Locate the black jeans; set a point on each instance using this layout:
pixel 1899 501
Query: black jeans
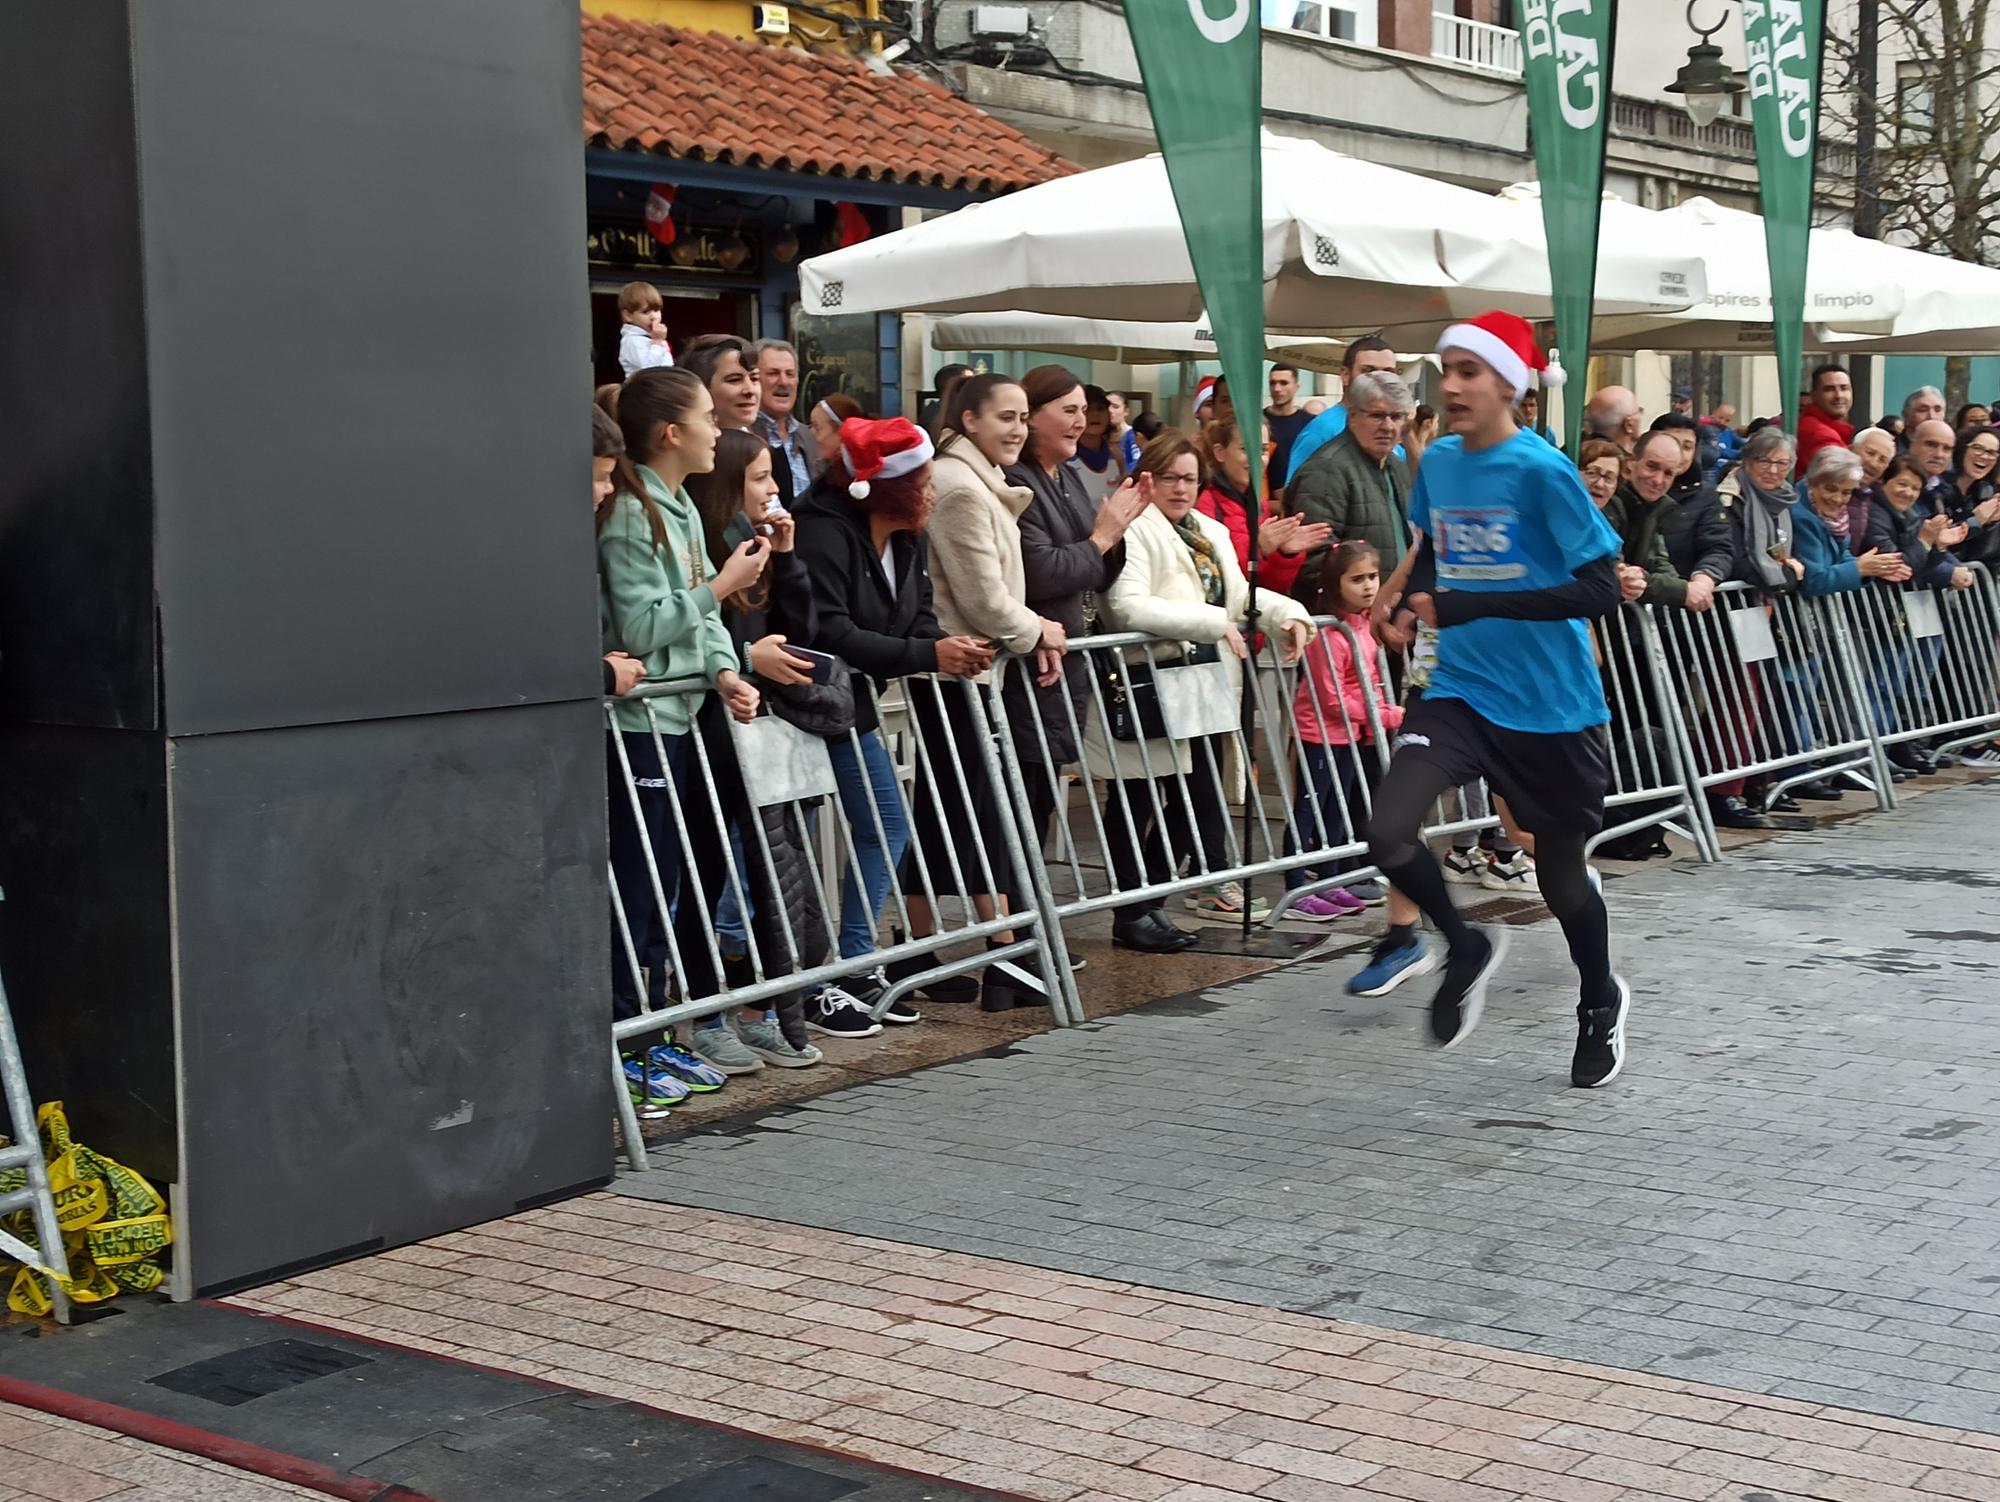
pixel 1145 844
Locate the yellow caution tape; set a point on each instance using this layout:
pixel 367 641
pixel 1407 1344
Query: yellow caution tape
pixel 114 1225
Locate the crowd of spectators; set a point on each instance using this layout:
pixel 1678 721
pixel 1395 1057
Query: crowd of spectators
pixel 809 568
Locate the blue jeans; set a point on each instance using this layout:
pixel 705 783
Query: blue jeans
pixel 868 789
pixel 730 918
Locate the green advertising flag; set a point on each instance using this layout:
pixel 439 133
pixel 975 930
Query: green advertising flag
pixel 1783 41
pixel 1566 60
pixel 1202 62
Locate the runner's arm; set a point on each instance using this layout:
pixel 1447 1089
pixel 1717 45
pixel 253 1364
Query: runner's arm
pixel 1592 592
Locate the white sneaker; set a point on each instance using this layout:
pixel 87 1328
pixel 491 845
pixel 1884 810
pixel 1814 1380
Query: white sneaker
pixel 1516 875
pixel 1465 866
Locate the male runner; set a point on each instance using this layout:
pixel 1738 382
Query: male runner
pixel 1514 560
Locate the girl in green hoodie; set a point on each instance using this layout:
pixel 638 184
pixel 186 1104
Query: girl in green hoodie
pixel 660 600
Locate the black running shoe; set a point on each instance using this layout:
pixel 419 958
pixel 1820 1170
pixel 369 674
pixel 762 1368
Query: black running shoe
pixel 1459 1001
pixel 1600 1040
pixel 832 1013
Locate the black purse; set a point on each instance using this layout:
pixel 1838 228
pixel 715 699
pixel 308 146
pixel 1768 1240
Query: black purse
pixel 822 709
pixel 1132 710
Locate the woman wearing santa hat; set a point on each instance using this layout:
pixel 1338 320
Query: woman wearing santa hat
pixel 1515 561
pixel 868 559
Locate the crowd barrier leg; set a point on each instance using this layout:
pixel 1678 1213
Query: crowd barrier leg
pixel 1844 651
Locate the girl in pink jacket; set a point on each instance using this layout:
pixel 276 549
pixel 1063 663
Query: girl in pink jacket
pixel 1331 709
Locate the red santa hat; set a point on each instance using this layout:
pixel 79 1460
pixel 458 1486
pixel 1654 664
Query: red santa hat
pixel 1204 393
pixel 882 448
pixel 1506 343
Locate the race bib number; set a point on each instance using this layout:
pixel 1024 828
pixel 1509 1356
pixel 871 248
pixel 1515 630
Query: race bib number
pixel 1477 543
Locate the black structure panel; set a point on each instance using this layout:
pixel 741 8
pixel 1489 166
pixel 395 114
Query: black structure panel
pixel 77 640
pixel 367 311
pixel 84 940
pixel 393 967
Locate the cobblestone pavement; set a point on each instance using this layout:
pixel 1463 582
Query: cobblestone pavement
pixel 1259 1243
pixel 1064 1388
pixel 1792 1191
pixel 57 1459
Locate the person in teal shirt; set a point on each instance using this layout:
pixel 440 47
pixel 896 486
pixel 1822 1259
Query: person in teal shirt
pixel 1515 561
pixel 1369 353
pixel 660 601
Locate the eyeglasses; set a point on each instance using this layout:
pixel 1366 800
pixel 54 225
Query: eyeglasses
pixel 1380 416
pixel 1770 461
pixel 1980 452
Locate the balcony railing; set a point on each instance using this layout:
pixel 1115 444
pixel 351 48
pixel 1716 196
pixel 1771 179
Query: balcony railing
pixel 1490 49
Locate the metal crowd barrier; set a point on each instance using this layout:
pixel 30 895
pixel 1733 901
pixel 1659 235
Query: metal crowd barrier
pixel 1791 688
pixel 1652 760
pixel 1929 660
pixel 1164 809
pixel 789 785
pixel 1769 687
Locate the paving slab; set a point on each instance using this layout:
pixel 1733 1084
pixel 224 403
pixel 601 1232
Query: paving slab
pixel 1793 1190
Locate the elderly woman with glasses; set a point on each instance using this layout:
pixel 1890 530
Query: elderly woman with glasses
pixel 1822 529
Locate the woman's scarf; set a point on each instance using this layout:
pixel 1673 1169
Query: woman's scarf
pixel 1767 530
pixel 1840 526
pixel 1207 561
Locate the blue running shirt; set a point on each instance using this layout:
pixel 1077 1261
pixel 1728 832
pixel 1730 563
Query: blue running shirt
pixel 1512 517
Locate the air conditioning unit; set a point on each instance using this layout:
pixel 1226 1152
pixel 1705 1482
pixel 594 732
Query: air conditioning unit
pixel 993 22
pixel 772 20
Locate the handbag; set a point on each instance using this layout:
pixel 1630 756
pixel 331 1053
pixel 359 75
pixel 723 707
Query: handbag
pixel 1175 700
pixel 822 709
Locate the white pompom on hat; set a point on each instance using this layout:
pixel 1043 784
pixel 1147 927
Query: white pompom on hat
pixel 882 448
pixel 1507 343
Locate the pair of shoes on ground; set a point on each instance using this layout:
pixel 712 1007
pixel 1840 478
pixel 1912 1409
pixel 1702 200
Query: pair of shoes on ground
pixel 1461 999
pixel 1481 868
pixel 1152 932
pixel 1226 901
pixel 666 1074
pixel 1338 902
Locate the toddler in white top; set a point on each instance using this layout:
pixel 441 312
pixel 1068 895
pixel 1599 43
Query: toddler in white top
pixel 642 341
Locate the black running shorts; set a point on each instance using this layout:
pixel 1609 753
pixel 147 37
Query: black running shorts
pixel 1553 784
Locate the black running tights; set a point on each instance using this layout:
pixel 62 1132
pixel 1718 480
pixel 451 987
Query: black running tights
pixel 1410 789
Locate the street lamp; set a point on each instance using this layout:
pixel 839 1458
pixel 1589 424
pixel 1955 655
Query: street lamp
pixel 1705 81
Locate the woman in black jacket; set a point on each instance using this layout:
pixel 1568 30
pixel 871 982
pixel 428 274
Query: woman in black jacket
pixel 1972 496
pixel 868 562
pixel 763 620
pixel 1071 550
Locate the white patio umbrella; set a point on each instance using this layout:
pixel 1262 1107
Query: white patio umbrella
pixel 1856 286
pixel 1348 247
pixel 1120 342
pixel 1950 307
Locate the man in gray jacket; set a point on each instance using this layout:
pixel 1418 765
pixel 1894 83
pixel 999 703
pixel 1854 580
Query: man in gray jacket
pixel 1356 484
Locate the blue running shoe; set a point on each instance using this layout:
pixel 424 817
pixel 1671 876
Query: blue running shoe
pixel 653 1091
pixel 1388 968
pixel 691 1070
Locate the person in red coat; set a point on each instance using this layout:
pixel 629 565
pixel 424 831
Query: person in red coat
pixel 1823 424
pixel 1282 541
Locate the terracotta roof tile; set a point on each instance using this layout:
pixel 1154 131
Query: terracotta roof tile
pixel 672 92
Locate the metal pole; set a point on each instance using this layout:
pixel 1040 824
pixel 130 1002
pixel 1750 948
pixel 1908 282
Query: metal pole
pixel 1867 206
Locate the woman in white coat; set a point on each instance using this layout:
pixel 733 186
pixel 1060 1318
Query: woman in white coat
pixel 1181 583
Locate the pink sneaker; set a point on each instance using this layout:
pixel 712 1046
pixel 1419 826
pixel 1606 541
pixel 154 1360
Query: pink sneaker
pixel 1324 907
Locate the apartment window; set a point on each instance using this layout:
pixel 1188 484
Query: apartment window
pixel 1916 101
pixel 1341 20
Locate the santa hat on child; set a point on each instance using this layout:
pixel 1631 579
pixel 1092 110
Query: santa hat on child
pixel 882 448
pixel 1506 343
